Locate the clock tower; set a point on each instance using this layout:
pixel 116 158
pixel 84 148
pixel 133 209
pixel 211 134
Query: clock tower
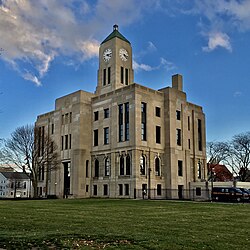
pixel 115 63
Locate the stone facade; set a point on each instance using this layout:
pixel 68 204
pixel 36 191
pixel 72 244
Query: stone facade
pixel 125 138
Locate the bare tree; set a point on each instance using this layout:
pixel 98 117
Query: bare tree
pixel 239 159
pixel 217 152
pixel 31 150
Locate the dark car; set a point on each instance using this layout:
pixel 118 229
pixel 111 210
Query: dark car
pixel 229 194
pixel 245 190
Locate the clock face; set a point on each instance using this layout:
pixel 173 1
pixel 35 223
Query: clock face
pixel 123 54
pixel 107 54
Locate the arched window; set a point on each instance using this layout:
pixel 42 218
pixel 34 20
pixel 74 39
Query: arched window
pixel 128 162
pixel 107 166
pixel 96 168
pixel 143 165
pixel 157 166
pixel 122 165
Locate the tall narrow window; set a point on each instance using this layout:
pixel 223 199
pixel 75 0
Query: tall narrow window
pixel 104 77
pixel 157 167
pixel 52 128
pixel 158 111
pixel 96 168
pixel 178 115
pixel 106 113
pixel 122 165
pixel 128 165
pixel 126 121
pixel 69 141
pixel 199 135
pixel 62 143
pixel 120 189
pixel 105 189
pixel 178 136
pixel 126 76
pixel 158 189
pixel 180 168
pixel 143 121
pixel 126 186
pixel 106 136
pixel 95 190
pixel 143 165
pixel 96 137
pixel 199 170
pixel 158 134
pixel 188 123
pixel 107 166
pixel 96 115
pixel 109 75
pixel 122 75
pixel 66 141
pixel 87 168
pixel 120 122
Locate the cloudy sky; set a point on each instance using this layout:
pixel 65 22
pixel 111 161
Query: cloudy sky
pixel 49 48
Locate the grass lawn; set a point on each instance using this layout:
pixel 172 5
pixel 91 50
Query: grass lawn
pixel 123 224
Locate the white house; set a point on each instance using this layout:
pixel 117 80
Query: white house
pixel 14 185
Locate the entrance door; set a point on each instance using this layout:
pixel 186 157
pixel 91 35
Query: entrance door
pixel 180 191
pixel 66 189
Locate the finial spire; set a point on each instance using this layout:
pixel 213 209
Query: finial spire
pixel 115 27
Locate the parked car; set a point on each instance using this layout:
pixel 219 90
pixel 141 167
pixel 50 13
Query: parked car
pixel 245 190
pixel 229 194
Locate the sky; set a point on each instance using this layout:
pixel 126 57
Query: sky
pixel 49 48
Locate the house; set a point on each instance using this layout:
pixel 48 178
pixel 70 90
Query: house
pixel 219 172
pixel 14 185
pixel 125 139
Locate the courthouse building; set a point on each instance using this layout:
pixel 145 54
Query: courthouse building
pixel 125 137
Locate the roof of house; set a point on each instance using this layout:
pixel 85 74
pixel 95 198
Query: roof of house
pixel 221 172
pixel 15 175
pixel 115 33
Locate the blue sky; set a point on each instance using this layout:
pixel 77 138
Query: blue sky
pixel 50 49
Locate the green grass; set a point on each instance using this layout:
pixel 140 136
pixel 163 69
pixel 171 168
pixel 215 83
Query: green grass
pixel 123 224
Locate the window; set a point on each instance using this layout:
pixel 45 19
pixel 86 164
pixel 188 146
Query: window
pixel 120 122
pixel 87 168
pixel 96 137
pixel 96 168
pixel 158 189
pixel 178 136
pixel 178 115
pixel 180 168
pixel 199 135
pixel 87 188
pixel 143 121
pixel 126 76
pixel 122 165
pixel 109 75
pixel 104 77
pixel 189 144
pixel 128 165
pixel 199 170
pixel 62 143
pixel 52 128
pixel 126 121
pixel 106 136
pixel 96 116
pixel 126 186
pixel 158 111
pixel 122 75
pixel 158 134
pixel 143 165
pixel 66 142
pixel 107 167
pixel 105 189
pixel 188 123
pixel 95 189
pixel 198 191
pixel 24 184
pixel 157 167
pixel 70 141
pixel 120 189
pixel 106 113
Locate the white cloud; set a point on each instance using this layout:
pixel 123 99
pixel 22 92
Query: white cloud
pixel 216 40
pixel 34 33
pixel 142 66
pixel 237 94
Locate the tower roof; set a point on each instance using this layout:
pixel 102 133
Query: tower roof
pixel 115 33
